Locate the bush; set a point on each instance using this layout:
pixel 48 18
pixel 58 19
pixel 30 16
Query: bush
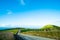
pixel 6 36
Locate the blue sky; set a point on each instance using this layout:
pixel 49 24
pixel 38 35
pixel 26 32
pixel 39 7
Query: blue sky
pixel 29 12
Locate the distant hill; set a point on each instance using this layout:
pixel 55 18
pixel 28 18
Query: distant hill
pixel 3 28
pixel 50 28
pixel 10 28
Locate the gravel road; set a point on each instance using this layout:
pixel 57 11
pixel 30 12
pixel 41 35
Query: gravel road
pixel 29 37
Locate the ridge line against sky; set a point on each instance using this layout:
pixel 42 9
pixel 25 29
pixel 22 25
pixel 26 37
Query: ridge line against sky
pixel 29 12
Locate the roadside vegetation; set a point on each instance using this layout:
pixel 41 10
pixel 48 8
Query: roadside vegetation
pixel 6 36
pixel 50 31
pixel 9 34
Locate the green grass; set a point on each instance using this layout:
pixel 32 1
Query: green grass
pixel 50 31
pixel 13 30
pixel 49 34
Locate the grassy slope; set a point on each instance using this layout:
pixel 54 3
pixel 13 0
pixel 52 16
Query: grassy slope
pixel 51 28
pixel 8 34
pixel 13 30
pixel 50 31
pixel 46 31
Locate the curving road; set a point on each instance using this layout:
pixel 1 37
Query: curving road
pixel 28 37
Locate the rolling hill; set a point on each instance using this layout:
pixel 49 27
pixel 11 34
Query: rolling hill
pixel 50 28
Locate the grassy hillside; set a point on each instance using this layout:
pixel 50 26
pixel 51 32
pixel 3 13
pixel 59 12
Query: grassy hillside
pixel 13 30
pixel 50 31
pixel 8 34
pixel 51 28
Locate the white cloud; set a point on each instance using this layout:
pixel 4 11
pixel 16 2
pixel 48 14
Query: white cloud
pixel 22 2
pixel 9 12
pixel 35 18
